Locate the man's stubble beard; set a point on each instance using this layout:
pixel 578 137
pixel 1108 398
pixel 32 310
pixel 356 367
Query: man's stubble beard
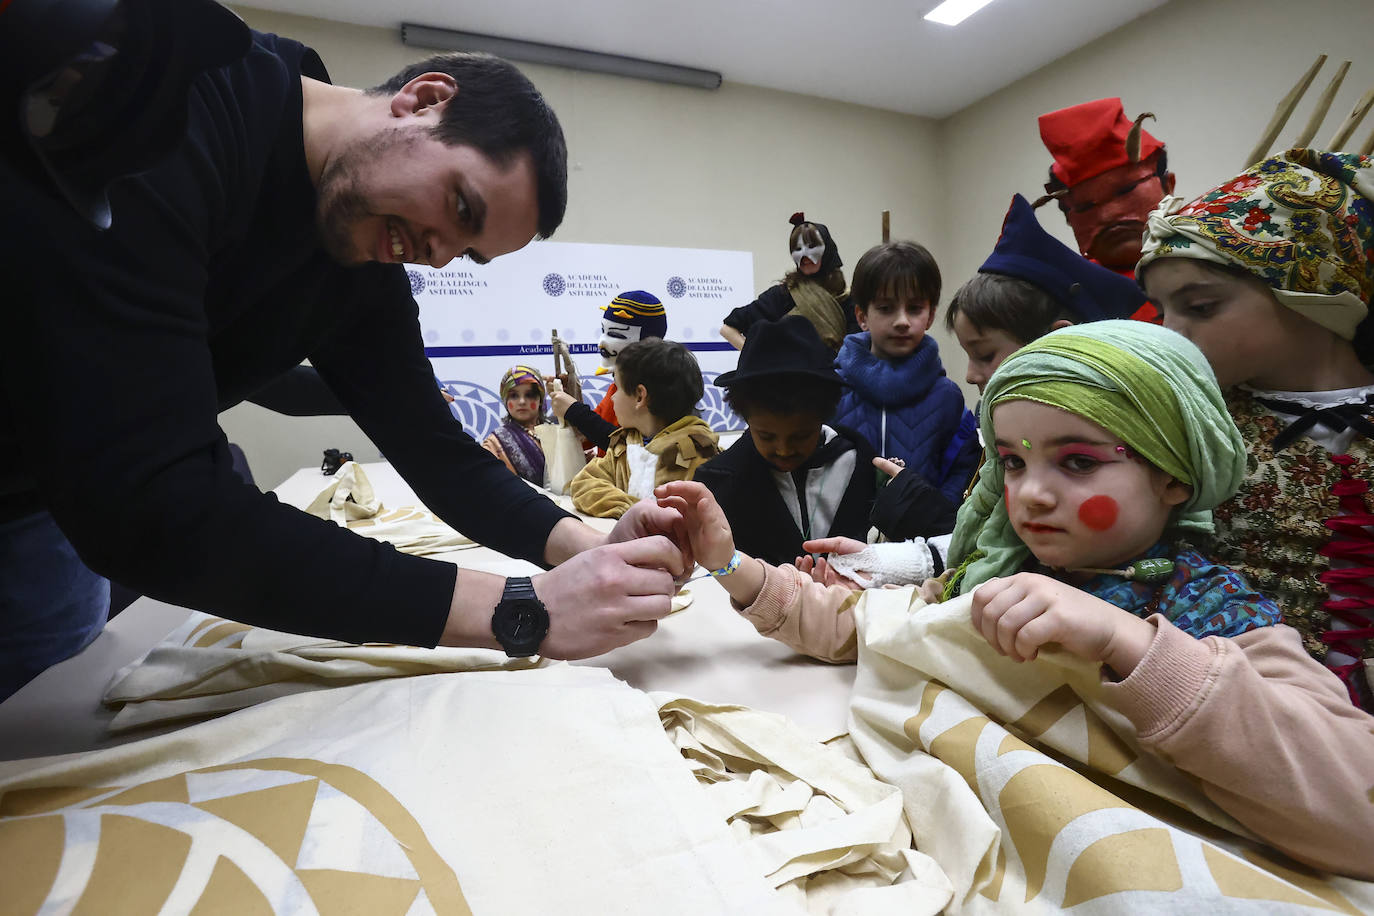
pixel 341 201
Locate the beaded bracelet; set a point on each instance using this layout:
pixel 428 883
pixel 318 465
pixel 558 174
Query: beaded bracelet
pixel 728 567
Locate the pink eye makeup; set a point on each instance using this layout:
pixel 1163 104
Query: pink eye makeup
pixel 1098 453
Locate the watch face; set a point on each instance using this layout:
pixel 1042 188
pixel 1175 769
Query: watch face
pixel 520 625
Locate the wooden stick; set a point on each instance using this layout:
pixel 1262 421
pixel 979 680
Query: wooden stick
pixel 1323 106
pixel 1352 121
pixel 887 226
pixel 1368 146
pixel 1283 113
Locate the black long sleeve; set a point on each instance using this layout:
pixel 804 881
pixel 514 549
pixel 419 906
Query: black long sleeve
pixel 299 393
pixel 126 344
pixel 595 428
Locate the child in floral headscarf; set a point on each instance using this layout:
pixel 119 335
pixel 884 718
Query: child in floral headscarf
pixel 1270 274
pixel 514 442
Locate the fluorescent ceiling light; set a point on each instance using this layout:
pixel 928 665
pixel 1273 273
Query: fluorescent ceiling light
pixel 535 52
pixel 953 12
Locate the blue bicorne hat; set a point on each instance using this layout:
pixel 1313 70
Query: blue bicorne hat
pixel 1026 251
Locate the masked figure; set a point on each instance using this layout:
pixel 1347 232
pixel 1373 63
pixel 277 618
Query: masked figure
pixel 815 289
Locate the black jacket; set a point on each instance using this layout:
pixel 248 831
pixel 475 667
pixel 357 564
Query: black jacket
pixel 123 346
pixel 742 484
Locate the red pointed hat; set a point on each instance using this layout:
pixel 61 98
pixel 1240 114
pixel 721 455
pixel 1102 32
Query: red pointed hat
pixel 1088 139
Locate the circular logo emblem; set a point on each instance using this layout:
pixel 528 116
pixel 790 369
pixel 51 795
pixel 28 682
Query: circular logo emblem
pixel 417 282
pixel 554 284
pixel 677 287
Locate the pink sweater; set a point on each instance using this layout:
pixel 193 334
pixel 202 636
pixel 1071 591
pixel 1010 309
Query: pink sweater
pixel 1269 733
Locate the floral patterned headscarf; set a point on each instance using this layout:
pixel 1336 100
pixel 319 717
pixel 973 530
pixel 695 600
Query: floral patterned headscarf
pixel 1303 222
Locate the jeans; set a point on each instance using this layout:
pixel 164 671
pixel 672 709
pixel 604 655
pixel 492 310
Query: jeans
pixel 51 605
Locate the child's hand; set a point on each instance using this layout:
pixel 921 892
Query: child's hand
pixel 559 401
pixel 1019 614
pixel 820 571
pixel 712 541
pixel 889 466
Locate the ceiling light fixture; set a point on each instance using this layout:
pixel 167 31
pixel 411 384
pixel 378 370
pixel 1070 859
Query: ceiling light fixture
pixel 535 52
pixel 953 12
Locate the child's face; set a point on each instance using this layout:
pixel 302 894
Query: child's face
pixel 785 441
pixel 631 410
pixel 897 324
pixel 1073 498
pixel 1244 332
pixel 986 348
pixel 523 403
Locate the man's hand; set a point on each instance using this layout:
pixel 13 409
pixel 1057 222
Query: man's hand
pixel 608 596
pixel 1019 614
pixel 646 519
pixel 704 522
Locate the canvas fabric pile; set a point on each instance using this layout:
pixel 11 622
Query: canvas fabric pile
pixel 1033 795
pixel 209 666
pixel 350 502
pixel 551 790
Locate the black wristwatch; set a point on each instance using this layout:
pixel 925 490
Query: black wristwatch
pixel 520 621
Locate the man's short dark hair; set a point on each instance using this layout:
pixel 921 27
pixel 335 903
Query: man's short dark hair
pixel 498 112
pixel 996 302
pixel 786 394
pixel 669 373
pixel 899 269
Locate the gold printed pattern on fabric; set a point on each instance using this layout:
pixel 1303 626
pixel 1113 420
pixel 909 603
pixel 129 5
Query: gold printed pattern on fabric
pixel 245 837
pixel 1064 807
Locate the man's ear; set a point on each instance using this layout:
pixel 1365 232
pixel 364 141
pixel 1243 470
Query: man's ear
pixel 641 396
pixel 861 318
pixel 1061 323
pixel 1168 182
pixel 426 91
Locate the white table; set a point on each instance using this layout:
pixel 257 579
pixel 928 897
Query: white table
pixel 706 651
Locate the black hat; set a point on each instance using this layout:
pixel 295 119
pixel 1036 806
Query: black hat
pixel 788 346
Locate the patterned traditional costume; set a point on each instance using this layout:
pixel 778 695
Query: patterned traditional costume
pixel 1302 222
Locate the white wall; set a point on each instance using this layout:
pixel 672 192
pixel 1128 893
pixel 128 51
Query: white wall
pixel 660 165
pixel 652 164
pixel 1212 71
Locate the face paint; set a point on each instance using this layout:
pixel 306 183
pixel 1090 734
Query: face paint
pixel 815 254
pixel 615 335
pixel 1025 443
pixel 1098 512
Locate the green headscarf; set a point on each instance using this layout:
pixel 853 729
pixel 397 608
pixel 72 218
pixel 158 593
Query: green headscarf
pixel 1144 384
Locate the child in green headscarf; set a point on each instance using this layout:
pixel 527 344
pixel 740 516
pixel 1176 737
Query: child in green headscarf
pixel 1271 274
pixel 1107 444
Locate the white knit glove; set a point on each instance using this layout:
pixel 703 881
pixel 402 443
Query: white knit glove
pixel 896 563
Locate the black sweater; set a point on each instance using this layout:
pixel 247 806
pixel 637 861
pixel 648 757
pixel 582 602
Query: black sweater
pixel 124 345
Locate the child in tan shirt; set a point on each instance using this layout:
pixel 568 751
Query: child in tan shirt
pixel 658 383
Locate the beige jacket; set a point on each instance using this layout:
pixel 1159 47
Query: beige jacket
pixel 599 488
pixel 1270 735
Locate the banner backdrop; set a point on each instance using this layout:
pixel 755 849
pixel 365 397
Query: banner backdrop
pixel 479 320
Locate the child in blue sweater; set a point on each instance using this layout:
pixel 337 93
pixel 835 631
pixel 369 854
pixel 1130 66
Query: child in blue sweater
pixel 899 397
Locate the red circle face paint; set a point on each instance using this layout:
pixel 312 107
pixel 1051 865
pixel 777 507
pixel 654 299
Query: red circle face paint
pixel 1098 512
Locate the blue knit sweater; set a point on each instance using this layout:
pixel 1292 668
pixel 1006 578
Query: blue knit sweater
pixel 909 409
